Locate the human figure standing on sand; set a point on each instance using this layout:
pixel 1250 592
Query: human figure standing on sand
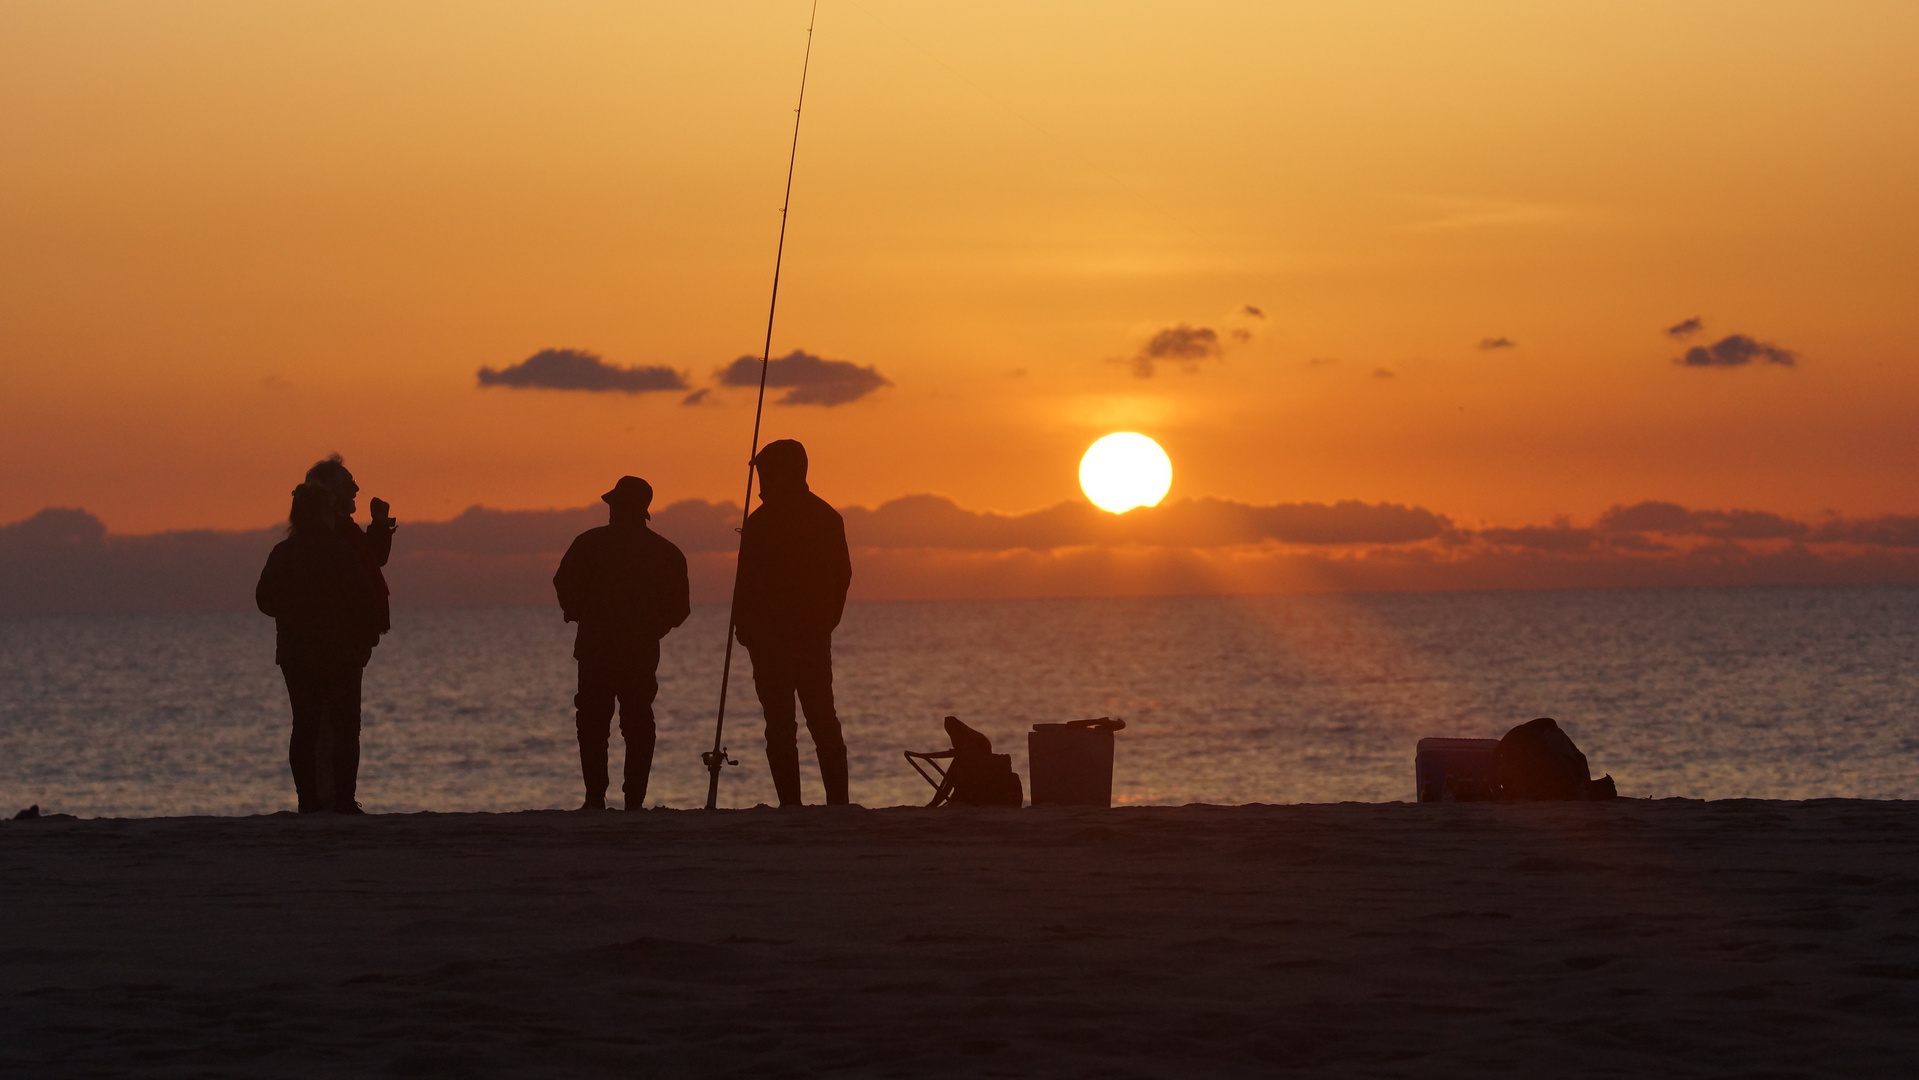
pixel 791 592
pixel 626 586
pixel 327 618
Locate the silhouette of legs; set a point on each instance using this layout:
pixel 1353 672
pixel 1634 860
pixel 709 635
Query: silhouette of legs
pixel 781 671
pixel 815 687
pixel 325 702
pixel 636 726
pixel 633 683
pixel 593 721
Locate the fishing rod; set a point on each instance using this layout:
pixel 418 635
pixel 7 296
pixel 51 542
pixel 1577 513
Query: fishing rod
pixel 716 759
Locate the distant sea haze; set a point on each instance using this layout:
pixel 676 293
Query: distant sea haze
pixel 927 547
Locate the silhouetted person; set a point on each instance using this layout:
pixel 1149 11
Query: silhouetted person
pixel 327 619
pixel 626 586
pixel 374 544
pixel 794 570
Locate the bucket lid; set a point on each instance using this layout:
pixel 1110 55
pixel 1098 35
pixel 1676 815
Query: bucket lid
pixel 1101 723
pixel 1436 743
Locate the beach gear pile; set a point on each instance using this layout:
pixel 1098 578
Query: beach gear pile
pixel 1072 766
pixel 1534 762
pixel 975 776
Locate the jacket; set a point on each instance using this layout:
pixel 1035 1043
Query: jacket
pixel 374 547
pixel 326 611
pixel 794 570
pixel 625 585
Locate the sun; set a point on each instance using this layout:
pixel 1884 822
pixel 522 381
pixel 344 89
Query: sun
pixel 1125 470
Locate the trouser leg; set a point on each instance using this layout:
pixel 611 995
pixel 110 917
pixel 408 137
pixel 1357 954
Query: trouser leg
pixel 773 682
pixel 343 728
pixel 593 721
pixel 813 679
pixel 638 688
pixel 309 710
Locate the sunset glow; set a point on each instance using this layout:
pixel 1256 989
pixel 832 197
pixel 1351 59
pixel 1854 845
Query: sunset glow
pixel 1510 266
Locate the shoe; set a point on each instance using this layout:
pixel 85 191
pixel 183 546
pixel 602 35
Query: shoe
pixel 350 808
pixel 593 804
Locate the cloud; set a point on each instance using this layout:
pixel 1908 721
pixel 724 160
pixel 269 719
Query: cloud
pixel 1737 350
pixel 1648 516
pixel 934 521
pixel 1189 346
pixel 1101 572
pixel 63 561
pixel 1497 343
pixel 1672 519
pixel 926 546
pixel 1686 328
pixel 1890 530
pixel 1182 344
pixel 1746 525
pixel 1344 522
pixel 1250 316
pixel 1383 373
pixel 1560 536
pixel 1636 542
pixel 478 530
pixel 697 397
pixel 807 379
pixel 576 369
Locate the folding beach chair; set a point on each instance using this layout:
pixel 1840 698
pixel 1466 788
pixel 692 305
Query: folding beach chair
pixel 976 775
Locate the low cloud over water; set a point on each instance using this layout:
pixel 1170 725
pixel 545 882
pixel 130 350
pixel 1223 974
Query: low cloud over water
pixel 927 546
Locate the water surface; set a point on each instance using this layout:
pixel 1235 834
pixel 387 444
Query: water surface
pixel 1775 693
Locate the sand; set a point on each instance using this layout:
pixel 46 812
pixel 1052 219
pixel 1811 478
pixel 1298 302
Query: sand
pixel 1641 939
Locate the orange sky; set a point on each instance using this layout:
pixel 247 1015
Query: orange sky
pixel 235 236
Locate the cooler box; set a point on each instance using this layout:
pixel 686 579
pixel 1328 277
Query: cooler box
pixel 1071 764
pixel 1454 770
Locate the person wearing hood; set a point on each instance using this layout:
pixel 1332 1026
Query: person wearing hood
pixel 327 618
pixel 626 587
pixel 793 575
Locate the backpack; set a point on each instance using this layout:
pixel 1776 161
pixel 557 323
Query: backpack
pixel 977 776
pixel 1538 762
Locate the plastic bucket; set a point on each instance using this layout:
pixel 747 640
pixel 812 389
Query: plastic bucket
pixel 1072 763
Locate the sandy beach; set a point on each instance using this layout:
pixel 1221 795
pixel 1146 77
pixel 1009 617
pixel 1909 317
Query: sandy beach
pixel 1670 938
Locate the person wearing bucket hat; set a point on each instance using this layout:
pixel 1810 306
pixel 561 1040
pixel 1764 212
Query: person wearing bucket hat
pixel 794 571
pixel 625 585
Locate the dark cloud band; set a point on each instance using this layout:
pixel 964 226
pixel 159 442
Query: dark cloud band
pixel 1737 351
pixel 576 369
pixel 807 379
pixel 67 561
pixel 1182 344
pixel 1671 519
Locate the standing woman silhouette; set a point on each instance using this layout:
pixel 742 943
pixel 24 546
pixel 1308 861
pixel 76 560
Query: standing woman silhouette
pixel 327 619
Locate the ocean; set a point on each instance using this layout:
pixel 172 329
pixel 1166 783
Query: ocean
pixel 1780 693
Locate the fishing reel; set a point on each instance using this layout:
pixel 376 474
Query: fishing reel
pixel 713 760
